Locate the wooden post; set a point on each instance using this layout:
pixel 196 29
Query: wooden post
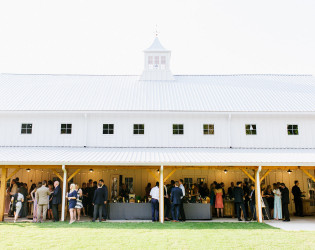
pixel 64 190
pixel 249 176
pixel 2 192
pixel 13 173
pixel 74 174
pixel 265 175
pixel 161 200
pixel 258 195
pixel 169 175
pixel 308 174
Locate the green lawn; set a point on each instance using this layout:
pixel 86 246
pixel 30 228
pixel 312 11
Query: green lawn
pixel 151 235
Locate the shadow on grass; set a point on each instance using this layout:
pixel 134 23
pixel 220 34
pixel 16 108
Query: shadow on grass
pixel 146 225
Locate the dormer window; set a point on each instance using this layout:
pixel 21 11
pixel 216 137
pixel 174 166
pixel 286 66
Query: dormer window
pixel 150 62
pixel 156 62
pixel 163 62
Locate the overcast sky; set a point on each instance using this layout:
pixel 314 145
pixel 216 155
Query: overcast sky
pixel 205 36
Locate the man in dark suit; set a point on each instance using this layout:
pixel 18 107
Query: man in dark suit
pixel 239 201
pixel 252 201
pixel 99 200
pixel 176 195
pixel 105 190
pixel 231 190
pixel 56 200
pixel 285 198
pixel 296 191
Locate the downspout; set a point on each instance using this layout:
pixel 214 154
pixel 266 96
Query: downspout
pixel 64 188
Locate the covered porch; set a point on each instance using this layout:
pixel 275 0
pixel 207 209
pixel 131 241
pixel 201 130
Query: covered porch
pixel 156 164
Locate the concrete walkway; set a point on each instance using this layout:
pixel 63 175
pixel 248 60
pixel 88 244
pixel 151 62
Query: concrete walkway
pixel 306 223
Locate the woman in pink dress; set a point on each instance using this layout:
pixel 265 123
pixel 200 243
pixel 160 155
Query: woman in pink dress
pixel 219 199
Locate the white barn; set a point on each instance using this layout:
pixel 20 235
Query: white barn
pixel 187 126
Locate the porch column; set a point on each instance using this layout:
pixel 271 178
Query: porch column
pixel 161 203
pixel 3 191
pixel 64 189
pixel 258 195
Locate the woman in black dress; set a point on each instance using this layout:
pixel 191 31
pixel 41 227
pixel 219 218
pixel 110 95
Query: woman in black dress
pixel 270 199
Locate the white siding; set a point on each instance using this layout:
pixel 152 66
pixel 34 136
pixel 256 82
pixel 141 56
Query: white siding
pixel 271 130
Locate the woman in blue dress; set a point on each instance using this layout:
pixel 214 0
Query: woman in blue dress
pixel 72 198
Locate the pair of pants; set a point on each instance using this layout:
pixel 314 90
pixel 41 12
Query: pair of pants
pixel 167 203
pixel 238 212
pixel 298 207
pixel 18 207
pixel 105 211
pixel 40 209
pixel 98 208
pixel 253 211
pixel 90 209
pixel 285 210
pixel 182 212
pixel 155 209
pixel 175 211
pixel 55 212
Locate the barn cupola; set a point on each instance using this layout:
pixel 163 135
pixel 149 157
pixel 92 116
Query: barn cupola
pixel 157 63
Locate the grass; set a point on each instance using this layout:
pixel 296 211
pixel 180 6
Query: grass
pixel 151 236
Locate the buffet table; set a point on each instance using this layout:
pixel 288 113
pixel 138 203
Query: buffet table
pixel 129 211
pixel 197 211
pixel 142 211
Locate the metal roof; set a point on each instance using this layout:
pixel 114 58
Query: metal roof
pixel 156 156
pixel 156 46
pixel 203 93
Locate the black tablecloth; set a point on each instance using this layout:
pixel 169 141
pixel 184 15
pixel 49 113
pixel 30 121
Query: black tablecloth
pixel 130 211
pixel 197 211
pixel 142 211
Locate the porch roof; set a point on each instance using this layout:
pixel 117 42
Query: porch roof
pixel 156 156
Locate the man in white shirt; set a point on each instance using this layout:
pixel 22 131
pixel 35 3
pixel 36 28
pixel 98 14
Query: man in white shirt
pixel 155 194
pixel 182 212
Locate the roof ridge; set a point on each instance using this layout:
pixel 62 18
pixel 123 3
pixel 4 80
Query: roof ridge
pixel 35 74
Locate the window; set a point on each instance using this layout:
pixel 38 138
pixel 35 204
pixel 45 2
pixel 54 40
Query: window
pixel 129 183
pixel 108 129
pixel 156 60
pixel 163 62
pixel 26 128
pixel 178 129
pixel 188 181
pixel 250 129
pixel 208 129
pixel 293 129
pixel 66 128
pixel 150 60
pixel 138 129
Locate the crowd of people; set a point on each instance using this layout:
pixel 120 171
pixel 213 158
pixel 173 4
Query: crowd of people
pixel 46 198
pixel 275 200
pixel 92 199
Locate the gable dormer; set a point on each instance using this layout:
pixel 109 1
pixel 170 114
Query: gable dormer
pixel 157 63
